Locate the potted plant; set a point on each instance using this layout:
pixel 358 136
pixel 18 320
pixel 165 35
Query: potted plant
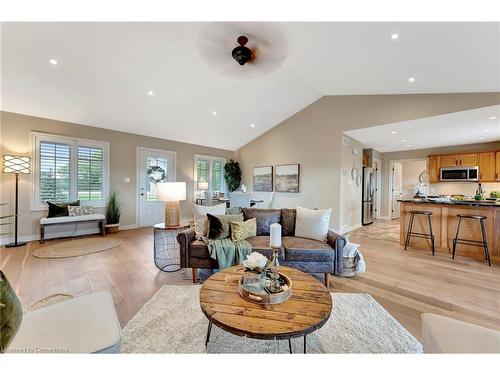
pixel 113 214
pixel 232 175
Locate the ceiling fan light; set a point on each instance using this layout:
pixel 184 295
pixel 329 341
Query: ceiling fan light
pixel 242 54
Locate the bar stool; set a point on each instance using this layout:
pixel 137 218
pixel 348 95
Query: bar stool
pixel 464 241
pixel 410 232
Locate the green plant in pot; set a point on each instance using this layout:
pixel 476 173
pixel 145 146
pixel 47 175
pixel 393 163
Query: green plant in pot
pixel 113 213
pixel 232 175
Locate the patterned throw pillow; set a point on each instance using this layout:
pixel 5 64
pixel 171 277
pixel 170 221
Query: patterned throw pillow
pixel 243 230
pixel 200 217
pixel 11 313
pixel 80 210
pixel 220 225
pixel 57 209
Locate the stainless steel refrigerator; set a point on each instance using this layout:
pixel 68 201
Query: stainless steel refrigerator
pixel 368 196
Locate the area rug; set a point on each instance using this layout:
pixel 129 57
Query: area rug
pixel 172 322
pixel 76 248
pixel 47 301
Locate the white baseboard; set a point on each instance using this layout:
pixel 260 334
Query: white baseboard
pixel 383 218
pixel 346 228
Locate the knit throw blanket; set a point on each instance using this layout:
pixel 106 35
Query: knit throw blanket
pixel 227 252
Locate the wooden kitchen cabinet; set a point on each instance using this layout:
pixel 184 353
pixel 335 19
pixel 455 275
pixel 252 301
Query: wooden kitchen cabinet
pixel 497 173
pixel 448 160
pixel 468 160
pixel 487 166
pixel 433 168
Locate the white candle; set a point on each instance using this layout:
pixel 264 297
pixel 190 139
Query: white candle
pixel 275 238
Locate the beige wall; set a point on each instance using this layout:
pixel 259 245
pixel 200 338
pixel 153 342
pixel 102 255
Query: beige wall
pixel 15 136
pixel 438 188
pixel 312 137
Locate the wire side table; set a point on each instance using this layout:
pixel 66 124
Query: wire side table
pixel 167 255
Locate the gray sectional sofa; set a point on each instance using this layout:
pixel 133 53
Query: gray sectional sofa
pixel 307 255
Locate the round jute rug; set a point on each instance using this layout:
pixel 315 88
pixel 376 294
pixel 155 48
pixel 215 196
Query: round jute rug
pixel 75 248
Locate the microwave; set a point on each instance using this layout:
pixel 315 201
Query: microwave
pixel 459 174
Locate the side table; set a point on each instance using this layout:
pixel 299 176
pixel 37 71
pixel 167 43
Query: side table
pixel 167 257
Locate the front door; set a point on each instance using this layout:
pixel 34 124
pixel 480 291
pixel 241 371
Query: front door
pixel 397 189
pixel 154 166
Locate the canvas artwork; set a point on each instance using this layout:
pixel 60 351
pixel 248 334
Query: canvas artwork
pixel 263 178
pixel 287 178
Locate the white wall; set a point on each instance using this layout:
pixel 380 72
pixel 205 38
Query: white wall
pixel 351 193
pixel 411 169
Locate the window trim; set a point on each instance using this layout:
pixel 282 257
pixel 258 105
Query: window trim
pixel 74 142
pixel 195 173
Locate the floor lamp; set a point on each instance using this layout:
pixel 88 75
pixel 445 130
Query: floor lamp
pixel 16 164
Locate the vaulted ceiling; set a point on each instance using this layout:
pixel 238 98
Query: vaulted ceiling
pixel 178 80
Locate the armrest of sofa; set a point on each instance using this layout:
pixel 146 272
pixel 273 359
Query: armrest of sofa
pixel 337 242
pixel 184 238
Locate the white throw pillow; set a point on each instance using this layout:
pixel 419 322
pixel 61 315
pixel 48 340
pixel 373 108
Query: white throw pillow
pixel 312 224
pixel 200 217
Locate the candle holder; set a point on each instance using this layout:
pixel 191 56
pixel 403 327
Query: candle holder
pixel 275 267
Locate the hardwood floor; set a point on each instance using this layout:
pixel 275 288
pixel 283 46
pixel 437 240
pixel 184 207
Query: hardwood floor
pixel 406 283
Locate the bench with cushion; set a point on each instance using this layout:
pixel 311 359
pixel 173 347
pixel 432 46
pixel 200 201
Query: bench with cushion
pixel 307 255
pixel 98 218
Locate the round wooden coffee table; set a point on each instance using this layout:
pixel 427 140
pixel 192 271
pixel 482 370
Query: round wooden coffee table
pixel 306 311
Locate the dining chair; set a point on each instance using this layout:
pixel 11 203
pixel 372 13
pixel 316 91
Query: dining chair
pixel 208 198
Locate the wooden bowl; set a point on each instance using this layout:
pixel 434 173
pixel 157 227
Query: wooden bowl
pixel 264 298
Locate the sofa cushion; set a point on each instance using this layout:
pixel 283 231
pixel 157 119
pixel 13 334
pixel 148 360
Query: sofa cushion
pixel 260 244
pixel 200 217
pixel 288 221
pixel 243 230
pixel 304 249
pixel 265 217
pixel 312 223
pixel 219 226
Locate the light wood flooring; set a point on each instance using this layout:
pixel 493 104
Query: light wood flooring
pixel 406 283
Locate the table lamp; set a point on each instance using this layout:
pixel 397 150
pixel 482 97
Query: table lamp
pixel 171 193
pixel 16 164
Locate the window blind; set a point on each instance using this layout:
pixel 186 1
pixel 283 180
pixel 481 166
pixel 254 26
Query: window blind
pixel 216 175
pixel 90 167
pixel 202 170
pixel 55 161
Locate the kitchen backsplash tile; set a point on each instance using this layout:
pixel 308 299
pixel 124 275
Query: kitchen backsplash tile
pixel 466 188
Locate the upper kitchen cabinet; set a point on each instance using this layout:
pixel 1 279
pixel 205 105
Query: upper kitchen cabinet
pixel 497 174
pixel 433 168
pixel 448 160
pixel 468 160
pixel 487 166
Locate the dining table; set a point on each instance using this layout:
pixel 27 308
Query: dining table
pixel 225 200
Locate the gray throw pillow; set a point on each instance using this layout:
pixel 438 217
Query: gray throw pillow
pixel 265 217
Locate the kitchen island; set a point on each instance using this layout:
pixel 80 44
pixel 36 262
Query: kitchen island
pixel 444 224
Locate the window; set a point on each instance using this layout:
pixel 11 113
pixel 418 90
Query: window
pixel 66 169
pixel 157 172
pixel 209 174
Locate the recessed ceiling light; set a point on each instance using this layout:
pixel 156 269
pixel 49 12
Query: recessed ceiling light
pixel 151 93
pixel 394 132
pixel 492 117
pixel 53 61
pixel 411 79
pixel 214 113
pixel 252 125
pixel 394 36
pixel 403 140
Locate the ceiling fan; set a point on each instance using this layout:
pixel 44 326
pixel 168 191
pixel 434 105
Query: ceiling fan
pixel 260 48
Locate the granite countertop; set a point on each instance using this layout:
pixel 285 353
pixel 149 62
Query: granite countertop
pixel 483 203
